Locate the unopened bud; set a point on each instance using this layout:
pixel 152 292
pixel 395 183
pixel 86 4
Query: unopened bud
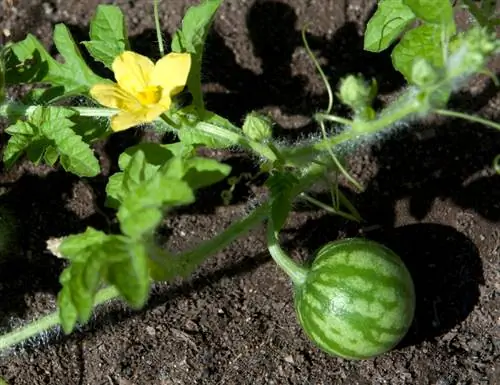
pixel 258 127
pixel 423 73
pixel 356 92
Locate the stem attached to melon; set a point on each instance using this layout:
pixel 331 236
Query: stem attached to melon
pixel 296 272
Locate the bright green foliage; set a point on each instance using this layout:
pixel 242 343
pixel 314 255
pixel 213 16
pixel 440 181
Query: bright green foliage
pixel 358 299
pixel 108 34
pixel 258 127
pixel 470 52
pixel 433 11
pixel 389 21
pixel 423 42
pixel 97 258
pixel 423 73
pixel 48 135
pixel 154 179
pixel 358 94
pixel 195 26
pixel 81 279
pixel 191 38
pixel 141 209
pixel 171 185
pixel 71 77
pixel 140 163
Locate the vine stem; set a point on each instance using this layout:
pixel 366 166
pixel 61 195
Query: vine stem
pixel 472 118
pixel 186 262
pixel 297 273
pixel 49 321
pixel 158 28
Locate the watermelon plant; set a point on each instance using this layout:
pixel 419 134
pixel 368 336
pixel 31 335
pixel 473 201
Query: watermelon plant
pixel 356 300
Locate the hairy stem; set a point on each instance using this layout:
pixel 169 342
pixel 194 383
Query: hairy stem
pixel 48 322
pixel 296 272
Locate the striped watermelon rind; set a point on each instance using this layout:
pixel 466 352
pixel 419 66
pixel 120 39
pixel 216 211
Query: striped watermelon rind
pixel 358 299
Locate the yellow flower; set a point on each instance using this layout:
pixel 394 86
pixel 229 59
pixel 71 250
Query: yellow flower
pixel 144 90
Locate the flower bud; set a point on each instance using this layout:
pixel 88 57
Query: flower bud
pixel 423 73
pixel 258 127
pixel 356 92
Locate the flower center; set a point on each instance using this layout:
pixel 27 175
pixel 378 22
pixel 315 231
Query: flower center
pixel 149 95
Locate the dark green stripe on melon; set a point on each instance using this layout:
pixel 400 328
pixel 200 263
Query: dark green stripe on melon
pixel 358 299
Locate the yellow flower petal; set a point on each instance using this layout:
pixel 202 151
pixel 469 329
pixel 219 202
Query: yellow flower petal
pixel 153 112
pixel 171 72
pixel 165 101
pixel 112 96
pixel 124 120
pixel 132 71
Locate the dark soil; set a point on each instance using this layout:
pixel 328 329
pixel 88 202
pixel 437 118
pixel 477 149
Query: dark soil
pixel 431 195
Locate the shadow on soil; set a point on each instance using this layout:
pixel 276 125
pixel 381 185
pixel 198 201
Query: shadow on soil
pixel 445 264
pixel 39 206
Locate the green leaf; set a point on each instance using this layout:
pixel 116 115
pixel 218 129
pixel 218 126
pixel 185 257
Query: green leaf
pixel 51 155
pixel 114 191
pixel 96 258
pixel 139 163
pixel 131 276
pixel 68 314
pixel 281 187
pixel 75 299
pixel 155 154
pixel 50 129
pixel 76 155
pixel 43 96
pixel 73 245
pixel 389 21
pixel 433 11
pixel 22 135
pixel 423 42
pixel 74 76
pixel 108 34
pixel 203 172
pixel 90 129
pixel 191 38
pixel 142 209
pixel 195 26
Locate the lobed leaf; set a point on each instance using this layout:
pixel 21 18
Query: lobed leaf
pixel 29 62
pixel 142 209
pixel 191 38
pixel 97 258
pixel 195 26
pixel 76 156
pixel 48 135
pixel 22 135
pixel 108 34
pixel 423 42
pixel 389 21
pixel 131 274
